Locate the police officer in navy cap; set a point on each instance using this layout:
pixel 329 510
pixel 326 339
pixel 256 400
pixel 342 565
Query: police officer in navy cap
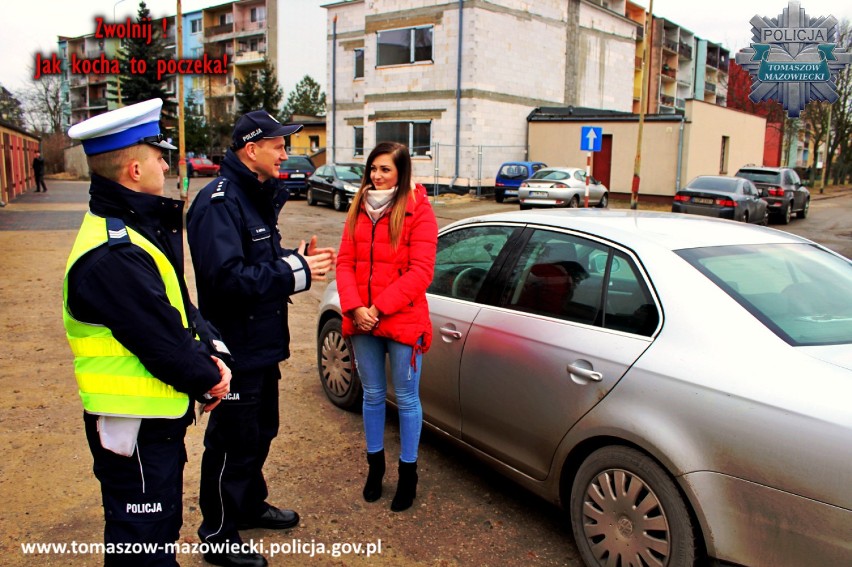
pixel 142 353
pixel 245 279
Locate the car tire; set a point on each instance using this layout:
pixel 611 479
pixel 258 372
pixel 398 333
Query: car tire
pixel 803 214
pixel 622 503
pixel 604 202
pixel 309 197
pixel 499 196
pixel 574 202
pixel 786 214
pixel 336 367
pixel 745 217
pixel 339 202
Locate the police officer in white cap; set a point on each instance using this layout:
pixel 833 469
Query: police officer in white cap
pixel 142 353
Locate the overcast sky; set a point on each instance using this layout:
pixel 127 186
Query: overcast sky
pixel 31 26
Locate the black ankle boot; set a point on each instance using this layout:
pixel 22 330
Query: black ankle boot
pixel 373 487
pixel 406 489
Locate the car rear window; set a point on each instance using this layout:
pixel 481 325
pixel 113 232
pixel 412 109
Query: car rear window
pixel 799 291
pixel 296 163
pixel 554 174
pixel 514 171
pixel 760 176
pixel 717 184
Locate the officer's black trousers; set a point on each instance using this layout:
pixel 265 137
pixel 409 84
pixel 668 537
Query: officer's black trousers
pixel 236 445
pixel 142 493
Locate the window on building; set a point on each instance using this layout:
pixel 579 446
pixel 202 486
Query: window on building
pixel 314 140
pixel 416 135
pixel 225 19
pixel 723 158
pixel 195 26
pixel 359 141
pixel 253 45
pixel 409 45
pixel 258 14
pixel 359 63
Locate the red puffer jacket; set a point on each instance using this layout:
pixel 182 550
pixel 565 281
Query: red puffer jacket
pixel 371 272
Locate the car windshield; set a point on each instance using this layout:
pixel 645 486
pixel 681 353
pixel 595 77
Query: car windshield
pixel 799 291
pixel 713 184
pixel 351 173
pixel 760 176
pixel 513 171
pixel 296 163
pixel 554 174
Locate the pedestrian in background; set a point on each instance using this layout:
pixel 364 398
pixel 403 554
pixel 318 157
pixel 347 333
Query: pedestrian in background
pixel 132 329
pixel 245 280
pixel 38 170
pixel 386 262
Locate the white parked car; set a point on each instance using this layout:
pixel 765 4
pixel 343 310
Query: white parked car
pixel 561 187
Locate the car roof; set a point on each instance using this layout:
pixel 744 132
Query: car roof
pixel 528 163
pixel 762 168
pixel 635 229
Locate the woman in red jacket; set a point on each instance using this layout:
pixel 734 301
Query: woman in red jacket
pixel 385 264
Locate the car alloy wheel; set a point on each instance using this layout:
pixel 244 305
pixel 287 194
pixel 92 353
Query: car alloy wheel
pixel 803 214
pixel 574 202
pixel 626 510
pixel 309 197
pixel 336 366
pixel 604 202
pixel 339 201
pixel 787 214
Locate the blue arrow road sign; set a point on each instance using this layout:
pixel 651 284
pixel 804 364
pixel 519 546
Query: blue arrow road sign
pixel 590 139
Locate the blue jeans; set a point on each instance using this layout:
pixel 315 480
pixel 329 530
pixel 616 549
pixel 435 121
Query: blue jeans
pixel 370 354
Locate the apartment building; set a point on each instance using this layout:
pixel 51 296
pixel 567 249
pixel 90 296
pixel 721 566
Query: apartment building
pixel 455 81
pixel 245 30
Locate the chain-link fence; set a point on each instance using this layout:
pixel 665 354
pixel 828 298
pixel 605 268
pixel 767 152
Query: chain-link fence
pixel 439 170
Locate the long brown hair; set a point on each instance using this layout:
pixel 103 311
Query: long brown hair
pixel 402 160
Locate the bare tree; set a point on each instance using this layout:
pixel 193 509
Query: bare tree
pixel 42 104
pixel 839 159
pixel 815 119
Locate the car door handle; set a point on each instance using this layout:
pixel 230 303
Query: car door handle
pixel 585 373
pixel 453 334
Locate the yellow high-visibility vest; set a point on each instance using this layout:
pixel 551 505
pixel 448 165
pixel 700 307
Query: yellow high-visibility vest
pixel 111 379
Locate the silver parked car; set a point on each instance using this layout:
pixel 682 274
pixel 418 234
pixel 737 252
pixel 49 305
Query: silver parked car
pixel 679 384
pixel 561 187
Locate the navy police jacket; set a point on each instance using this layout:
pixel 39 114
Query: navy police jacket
pixel 120 287
pixel 244 277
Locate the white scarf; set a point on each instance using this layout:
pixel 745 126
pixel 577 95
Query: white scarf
pixel 378 202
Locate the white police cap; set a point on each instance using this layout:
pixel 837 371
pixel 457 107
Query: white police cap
pixel 121 128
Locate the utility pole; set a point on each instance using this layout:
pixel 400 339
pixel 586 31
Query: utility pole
pixel 183 181
pixel 825 154
pixel 637 163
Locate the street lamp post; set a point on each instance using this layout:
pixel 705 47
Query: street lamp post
pixel 118 77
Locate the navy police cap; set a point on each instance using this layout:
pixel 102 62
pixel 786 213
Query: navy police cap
pixel 259 124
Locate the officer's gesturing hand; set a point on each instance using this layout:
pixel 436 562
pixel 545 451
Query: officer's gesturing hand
pixel 221 389
pixel 320 260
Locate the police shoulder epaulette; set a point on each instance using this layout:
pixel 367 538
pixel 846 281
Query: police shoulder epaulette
pixel 116 232
pixel 218 193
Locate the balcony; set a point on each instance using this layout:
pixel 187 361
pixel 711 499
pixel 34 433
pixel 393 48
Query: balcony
pixel 640 32
pixel 666 100
pixel 222 90
pixel 637 63
pixel 668 72
pixel 250 27
pixel 249 57
pixel 97 103
pixel 712 61
pixel 637 92
pixel 680 103
pixel 79 81
pixel 670 45
pixel 684 50
pixel 218 30
pixel 710 87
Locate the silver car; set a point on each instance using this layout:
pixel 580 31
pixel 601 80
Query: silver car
pixel 680 385
pixel 561 187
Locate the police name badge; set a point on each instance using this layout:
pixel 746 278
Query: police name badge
pixel 793 59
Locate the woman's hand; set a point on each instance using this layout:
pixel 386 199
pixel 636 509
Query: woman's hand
pixel 366 319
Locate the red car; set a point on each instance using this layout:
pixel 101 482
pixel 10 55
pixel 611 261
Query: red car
pixel 201 166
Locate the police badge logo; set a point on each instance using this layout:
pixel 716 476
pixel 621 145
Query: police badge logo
pixel 794 59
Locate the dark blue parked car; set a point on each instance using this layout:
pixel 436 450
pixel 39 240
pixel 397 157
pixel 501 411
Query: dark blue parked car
pixel 294 173
pixel 510 176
